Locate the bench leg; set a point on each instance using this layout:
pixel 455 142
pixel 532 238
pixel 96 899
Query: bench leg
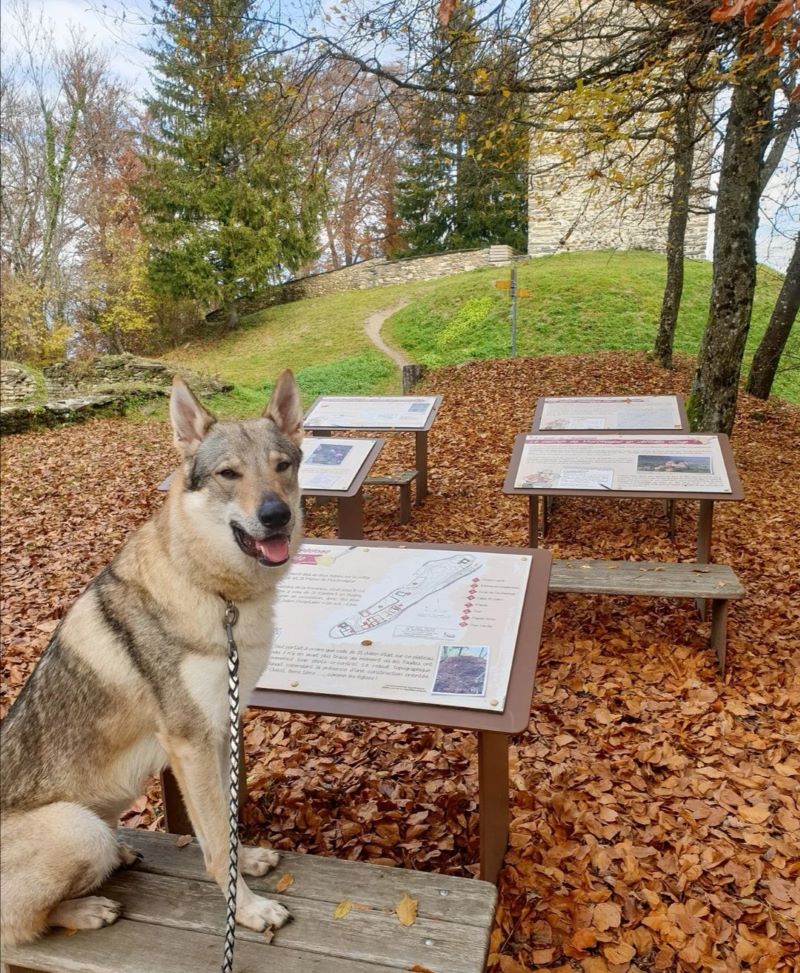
pixel 405 503
pixel 719 631
pixel 493 796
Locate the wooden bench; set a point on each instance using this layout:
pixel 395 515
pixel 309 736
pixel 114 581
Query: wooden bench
pixel 173 920
pixel 402 479
pixel 716 582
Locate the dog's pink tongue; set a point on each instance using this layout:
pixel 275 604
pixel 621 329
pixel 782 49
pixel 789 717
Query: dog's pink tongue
pixel 275 549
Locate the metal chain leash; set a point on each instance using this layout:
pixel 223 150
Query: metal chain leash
pixel 231 618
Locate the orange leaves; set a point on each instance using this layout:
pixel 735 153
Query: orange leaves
pixel 654 807
pixel 606 915
pixel 446 10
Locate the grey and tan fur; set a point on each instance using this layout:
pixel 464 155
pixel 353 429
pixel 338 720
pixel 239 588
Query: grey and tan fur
pixel 135 676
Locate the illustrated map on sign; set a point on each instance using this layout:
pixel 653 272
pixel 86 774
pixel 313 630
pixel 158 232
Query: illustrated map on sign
pixel 432 576
pixel 413 624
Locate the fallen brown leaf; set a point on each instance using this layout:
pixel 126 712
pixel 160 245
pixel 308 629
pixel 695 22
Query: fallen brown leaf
pixel 342 909
pixel 406 910
pixel 284 882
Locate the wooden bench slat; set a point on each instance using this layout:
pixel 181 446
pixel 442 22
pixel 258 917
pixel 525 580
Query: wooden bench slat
pixel 670 580
pixel 369 936
pixel 449 898
pixel 401 478
pixel 138 947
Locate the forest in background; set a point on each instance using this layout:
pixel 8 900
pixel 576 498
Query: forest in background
pixel 264 149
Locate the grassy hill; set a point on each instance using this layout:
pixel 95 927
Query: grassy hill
pixel 580 302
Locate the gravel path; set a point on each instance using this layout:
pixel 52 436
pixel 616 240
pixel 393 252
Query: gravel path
pixel 373 325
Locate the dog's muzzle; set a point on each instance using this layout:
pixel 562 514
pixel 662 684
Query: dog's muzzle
pixel 271 551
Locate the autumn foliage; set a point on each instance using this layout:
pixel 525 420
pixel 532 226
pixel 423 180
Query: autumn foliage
pixel 655 818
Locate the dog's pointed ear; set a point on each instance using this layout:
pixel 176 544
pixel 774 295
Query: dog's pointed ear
pixel 285 409
pixel 190 421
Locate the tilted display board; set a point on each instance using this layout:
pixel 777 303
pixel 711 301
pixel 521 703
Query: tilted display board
pixel 406 623
pixel 334 464
pixel 373 412
pixel 639 412
pixel 668 465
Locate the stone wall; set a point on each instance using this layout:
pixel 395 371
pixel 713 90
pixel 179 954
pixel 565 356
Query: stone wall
pixel 108 374
pixel 78 390
pixel 577 198
pixel 16 385
pixel 377 272
pixel 569 210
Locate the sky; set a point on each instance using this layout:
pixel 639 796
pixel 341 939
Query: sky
pixel 121 30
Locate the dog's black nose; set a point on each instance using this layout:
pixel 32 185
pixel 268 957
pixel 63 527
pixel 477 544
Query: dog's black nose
pixel 274 513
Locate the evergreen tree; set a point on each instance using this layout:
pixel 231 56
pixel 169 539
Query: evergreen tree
pixel 465 184
pixel 227 205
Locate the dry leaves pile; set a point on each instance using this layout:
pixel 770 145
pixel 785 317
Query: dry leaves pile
pixel 655 808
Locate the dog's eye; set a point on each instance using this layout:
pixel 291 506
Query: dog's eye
pixel 228 474
pixel 283 466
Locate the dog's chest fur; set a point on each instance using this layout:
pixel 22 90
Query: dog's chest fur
pixel 205 674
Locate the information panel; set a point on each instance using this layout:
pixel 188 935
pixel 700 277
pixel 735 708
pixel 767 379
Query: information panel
pixel 681 464
pixel 428 626
pixel 370 412
pixel 332 464
pixel 611 412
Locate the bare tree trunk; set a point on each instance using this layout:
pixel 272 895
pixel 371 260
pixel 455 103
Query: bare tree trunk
pixel 712 404
pixel 231 314
pixel 768 354
pixel 683 166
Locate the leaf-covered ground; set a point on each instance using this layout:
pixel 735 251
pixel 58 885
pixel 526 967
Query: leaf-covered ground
pixel 655 807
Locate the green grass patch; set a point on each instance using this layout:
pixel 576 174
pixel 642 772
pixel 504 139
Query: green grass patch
pixel 580 302
pixel 321 339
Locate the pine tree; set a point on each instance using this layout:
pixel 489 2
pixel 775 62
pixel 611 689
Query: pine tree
pixel 227 204
pixel 465 184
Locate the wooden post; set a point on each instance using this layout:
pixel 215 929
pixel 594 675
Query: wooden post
pixel 493 783
pixel 421 447
pixel 705 521
pixel 533 521
pixel 350 517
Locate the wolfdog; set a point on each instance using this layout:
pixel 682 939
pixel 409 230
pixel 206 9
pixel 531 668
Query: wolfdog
pixel 136 677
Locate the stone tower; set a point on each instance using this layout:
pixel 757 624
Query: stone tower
pixel 572 202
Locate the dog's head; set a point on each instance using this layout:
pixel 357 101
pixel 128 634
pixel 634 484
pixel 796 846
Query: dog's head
pixel 240 479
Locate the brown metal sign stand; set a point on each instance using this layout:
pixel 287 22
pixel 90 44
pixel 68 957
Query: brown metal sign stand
pixel 493 729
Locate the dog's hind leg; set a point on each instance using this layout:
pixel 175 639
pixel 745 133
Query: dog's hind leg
pixel 51 857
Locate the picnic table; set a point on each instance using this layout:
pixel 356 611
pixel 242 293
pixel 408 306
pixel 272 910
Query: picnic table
pixel 631 413
pixel 332 476
pixel 493 728
pixel 380 413
pixel 546 465
pixel 339 474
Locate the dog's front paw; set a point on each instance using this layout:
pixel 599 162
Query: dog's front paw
pixel 257 861
pixel 90 912
pixel 259 913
